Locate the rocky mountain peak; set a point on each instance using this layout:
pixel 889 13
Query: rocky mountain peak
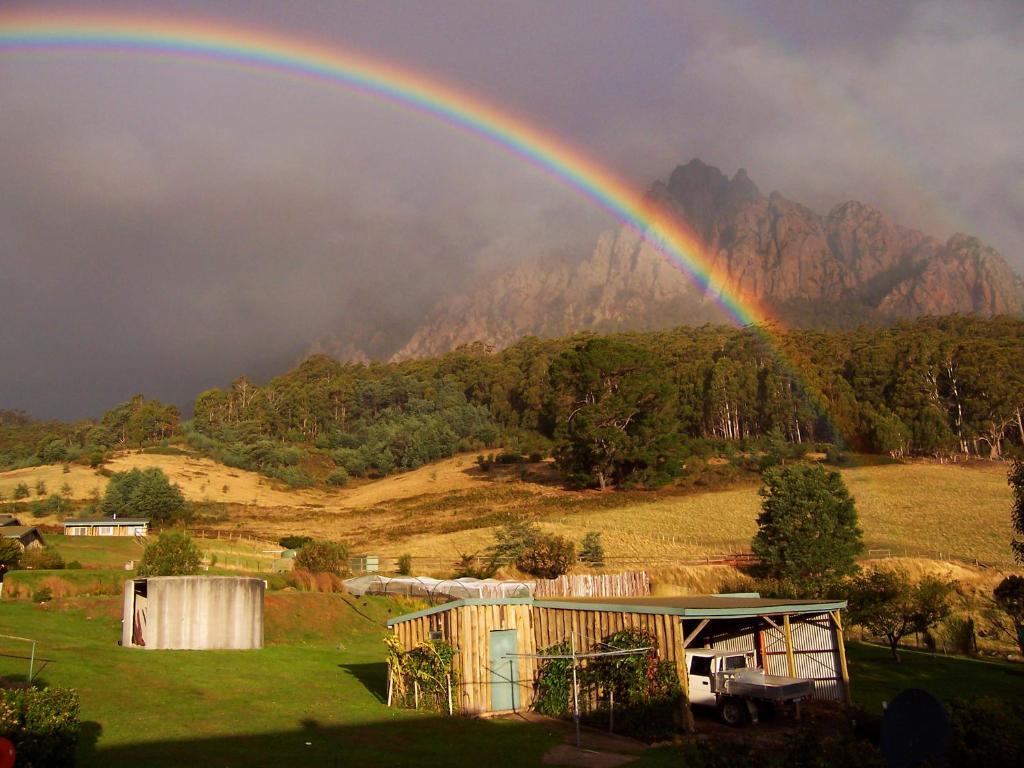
pixel 852 265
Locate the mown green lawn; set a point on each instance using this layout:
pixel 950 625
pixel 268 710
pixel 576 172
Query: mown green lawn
pixel 318 703
pixel 875 678
pixel 314 695
pixel 96 551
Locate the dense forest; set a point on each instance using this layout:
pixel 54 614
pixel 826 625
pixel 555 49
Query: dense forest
pixel 611 409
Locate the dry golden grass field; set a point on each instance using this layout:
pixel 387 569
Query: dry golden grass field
pixel 958 511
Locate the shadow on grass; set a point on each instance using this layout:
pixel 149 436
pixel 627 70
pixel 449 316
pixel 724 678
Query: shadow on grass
pixel 403 740
pixel 373 677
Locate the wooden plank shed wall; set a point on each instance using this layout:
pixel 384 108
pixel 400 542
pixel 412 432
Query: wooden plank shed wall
pixel 468 628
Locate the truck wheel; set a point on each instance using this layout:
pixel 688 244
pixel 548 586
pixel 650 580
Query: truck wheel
pixel 734 712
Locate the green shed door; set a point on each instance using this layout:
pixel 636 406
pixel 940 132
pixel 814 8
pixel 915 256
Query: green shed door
pixel 504 671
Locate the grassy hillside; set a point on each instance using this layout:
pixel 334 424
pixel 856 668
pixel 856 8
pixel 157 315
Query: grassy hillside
pixel 928 510
pixel 921 510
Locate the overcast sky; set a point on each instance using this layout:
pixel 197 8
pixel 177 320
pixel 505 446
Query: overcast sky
pixel 166 224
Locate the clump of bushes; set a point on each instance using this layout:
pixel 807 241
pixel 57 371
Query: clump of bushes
pixel 539 554
pixel 645 688
pixel 42 559
pixel 42 595
pixel 425 677
pixel 547 557
pixel 338 477
pixel 295 542
pixel 172 554
pixel 322 557
pixel 42 724
pixel 405 565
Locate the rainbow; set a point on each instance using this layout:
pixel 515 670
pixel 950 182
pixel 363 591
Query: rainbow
pixel 34 29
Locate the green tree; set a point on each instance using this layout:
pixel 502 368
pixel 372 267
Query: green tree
pixel 889 605
pixel 172 554
pixel 612 414
pixel 21 491
pixel 807 530
pixel 143 493
pixel 1016 481
pixel 1009 599
pixel 512 539
pixel 591 549
pixel 322 557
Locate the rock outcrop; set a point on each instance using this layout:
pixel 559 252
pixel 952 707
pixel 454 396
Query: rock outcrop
pixel 850 265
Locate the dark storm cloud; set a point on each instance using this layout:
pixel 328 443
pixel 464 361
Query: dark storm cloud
pixel 167 225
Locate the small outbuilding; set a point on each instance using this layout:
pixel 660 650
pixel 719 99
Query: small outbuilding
pixel 26 536
pixel 107 526
pixel 193 613
pixel 498 641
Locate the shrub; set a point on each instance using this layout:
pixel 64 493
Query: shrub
pixel 44 507
pixel 959 635
pixel 405 565
pixel 42 724
pixel 475 567
pixel 172 554
pixel 40 487
pixel 293 477
pixel 295 542
pixel 322 557
pixel 42 595
pixel 338 477
pixel 987 733
pixel 21 491
pixel 548 557
pixel 74 565
pixel 42 559
pixel 10 553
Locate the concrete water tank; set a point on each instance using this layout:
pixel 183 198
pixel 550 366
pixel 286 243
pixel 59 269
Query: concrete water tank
pixel 193 612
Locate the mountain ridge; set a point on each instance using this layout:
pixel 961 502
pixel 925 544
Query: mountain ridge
pixel 850 265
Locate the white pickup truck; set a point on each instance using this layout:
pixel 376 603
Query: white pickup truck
pixel 732 682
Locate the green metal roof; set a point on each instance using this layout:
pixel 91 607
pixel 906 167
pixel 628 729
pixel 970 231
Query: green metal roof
pixel 458 604
pixel 695 607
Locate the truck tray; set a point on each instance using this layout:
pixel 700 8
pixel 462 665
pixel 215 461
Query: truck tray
pixel 754 684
